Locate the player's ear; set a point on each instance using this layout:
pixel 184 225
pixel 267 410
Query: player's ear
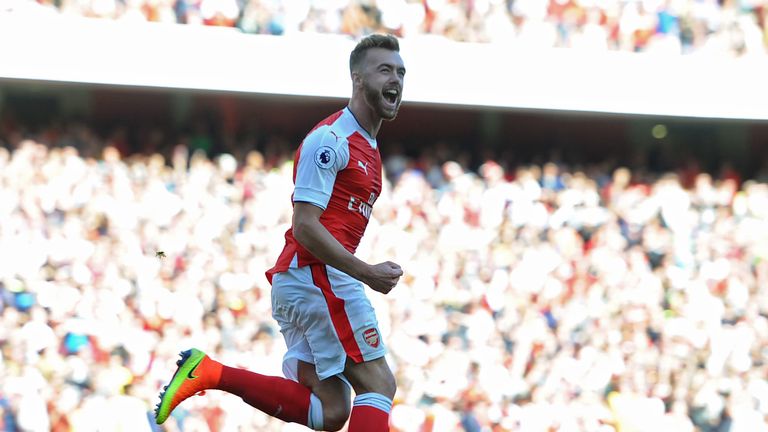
pixel 357 78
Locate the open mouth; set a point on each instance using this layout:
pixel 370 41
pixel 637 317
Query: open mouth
pixel 390 95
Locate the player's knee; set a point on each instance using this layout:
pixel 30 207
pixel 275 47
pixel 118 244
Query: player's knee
pixel 372 377
pixel 389 386
pixel 382 383
pixel 335 416
pixel 385 383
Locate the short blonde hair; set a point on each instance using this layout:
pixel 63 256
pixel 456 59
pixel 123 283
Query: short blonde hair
pixel 385 41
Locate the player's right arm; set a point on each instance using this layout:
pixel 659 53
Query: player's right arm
pixel 311 234
pixel 322 156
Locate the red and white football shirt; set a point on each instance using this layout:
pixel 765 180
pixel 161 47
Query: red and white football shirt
pixel 338 168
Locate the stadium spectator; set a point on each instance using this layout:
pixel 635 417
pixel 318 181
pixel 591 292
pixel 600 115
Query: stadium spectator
pixel 707 27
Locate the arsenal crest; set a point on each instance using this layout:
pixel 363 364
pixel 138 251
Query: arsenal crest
pixel 371 337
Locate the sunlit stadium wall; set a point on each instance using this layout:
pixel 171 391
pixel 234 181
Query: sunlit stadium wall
pixel 54 48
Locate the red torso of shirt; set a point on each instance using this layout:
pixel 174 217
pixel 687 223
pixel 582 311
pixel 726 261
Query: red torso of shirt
pixel 356 188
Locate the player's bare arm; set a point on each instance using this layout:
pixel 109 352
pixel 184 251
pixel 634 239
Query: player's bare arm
pixel 313 236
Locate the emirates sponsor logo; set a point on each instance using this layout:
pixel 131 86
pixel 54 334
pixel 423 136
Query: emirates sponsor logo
pixel 365 209
pixel 371 337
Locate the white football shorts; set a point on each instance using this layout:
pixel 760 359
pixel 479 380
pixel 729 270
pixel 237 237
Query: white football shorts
pixel 325 318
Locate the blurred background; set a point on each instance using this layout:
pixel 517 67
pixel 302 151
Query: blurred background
pixel 576 189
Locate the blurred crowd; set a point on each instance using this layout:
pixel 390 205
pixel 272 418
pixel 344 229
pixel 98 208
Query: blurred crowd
pixel 535 298
pixel 718 27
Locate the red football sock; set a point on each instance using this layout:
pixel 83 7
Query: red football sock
pixel 276 396
pixel 370 413
pixel 368 419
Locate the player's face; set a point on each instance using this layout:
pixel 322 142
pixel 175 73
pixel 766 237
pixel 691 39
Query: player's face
pixel 383 78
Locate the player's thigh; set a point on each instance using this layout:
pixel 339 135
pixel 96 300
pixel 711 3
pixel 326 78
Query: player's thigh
pixel 373 376
pixel 333 392
pixel 341 324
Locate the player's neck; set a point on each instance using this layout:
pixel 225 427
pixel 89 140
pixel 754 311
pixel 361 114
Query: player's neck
pixel 366 118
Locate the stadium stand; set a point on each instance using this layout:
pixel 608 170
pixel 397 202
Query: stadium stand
pixel 677 26
pixel 586 300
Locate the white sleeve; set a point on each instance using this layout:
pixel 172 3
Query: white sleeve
pixel 323 154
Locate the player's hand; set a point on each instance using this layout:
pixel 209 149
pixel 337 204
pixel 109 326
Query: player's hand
pixel 383 277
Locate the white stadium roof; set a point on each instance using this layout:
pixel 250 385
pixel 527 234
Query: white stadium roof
pixel 52 47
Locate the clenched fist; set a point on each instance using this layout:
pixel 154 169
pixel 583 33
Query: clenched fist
pixel 383 277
